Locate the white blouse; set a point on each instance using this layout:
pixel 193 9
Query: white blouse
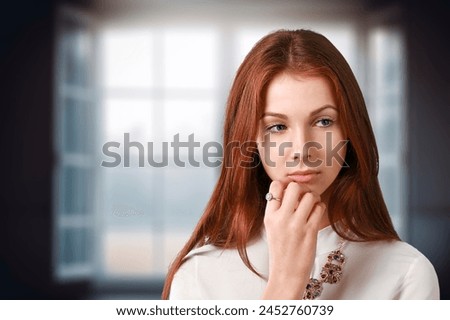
pixel 372 270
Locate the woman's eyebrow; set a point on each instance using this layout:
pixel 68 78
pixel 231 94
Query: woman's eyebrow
pixel 273 114
pixel 283 116
pixel 322 108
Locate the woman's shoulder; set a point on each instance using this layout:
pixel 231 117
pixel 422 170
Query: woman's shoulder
pixel 185 282
pixel 390 248
pixel 399 262
pixel 390 252
pixel 201 257
pixel 205 250
pixel 213 272
pixel 214 251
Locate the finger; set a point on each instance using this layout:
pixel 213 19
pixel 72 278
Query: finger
pixel 306 205
pixel 316 215
pixel 276 189
pixel 292 194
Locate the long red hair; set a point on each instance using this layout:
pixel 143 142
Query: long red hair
pixel 234 214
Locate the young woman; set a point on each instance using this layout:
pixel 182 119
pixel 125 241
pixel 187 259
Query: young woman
pixel 297 211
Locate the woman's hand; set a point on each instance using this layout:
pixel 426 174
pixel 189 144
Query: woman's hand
pixel 292 224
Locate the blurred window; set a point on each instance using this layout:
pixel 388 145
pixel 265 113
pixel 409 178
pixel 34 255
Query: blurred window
pixel 387 112
pixel 147 83
pixel 75 167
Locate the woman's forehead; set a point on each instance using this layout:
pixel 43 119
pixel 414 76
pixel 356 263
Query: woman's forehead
pixel 287 92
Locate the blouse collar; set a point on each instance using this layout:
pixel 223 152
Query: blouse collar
pixel 327 240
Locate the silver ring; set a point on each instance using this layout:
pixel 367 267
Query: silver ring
pixel 270 196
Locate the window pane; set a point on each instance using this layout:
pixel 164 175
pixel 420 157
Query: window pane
pixel 190 58
pixel 74 249
pixel 183 203
pixel 76 126
pixel 388 129
pixel 75 52
pixel 128 253
pixel 390 182
pixel 77 189
pixel 131 116
pixel 130 213
pixel 127 58
pixel 198 117
pixel 127 199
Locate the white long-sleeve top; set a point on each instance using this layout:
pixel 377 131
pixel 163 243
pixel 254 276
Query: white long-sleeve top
pixel 372 270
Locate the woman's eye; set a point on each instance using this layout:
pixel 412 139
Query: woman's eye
pixel 324 122
pixel 276 128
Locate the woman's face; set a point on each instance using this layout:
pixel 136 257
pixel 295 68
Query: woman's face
pixel 301 138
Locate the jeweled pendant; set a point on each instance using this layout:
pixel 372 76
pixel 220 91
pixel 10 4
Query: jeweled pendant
pixel 331 273
pixel 313 289
pixel 337 256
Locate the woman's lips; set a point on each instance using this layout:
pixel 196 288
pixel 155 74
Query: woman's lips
pixel 303 177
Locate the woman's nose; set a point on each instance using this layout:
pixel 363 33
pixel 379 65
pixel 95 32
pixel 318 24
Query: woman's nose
pixel 299 151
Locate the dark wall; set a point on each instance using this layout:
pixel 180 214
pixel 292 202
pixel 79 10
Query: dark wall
pixel 26 69
pixel 429 132
pixel 26 155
